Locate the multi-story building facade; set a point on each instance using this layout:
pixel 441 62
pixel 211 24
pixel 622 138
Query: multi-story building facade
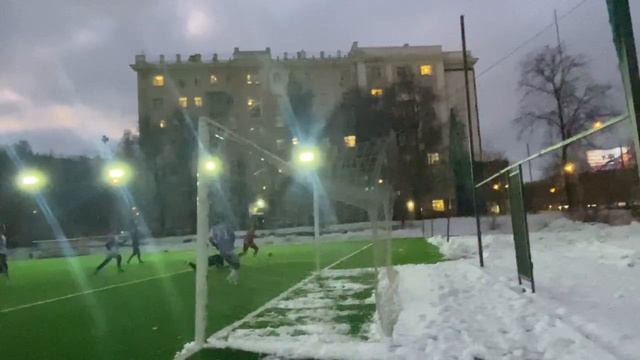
pixel 282 101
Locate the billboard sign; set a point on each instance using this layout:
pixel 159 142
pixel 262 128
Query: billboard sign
pixel 609 159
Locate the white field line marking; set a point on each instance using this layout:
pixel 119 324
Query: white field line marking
pixel 86 292
pixel 225 332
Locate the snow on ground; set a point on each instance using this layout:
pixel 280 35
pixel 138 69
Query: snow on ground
pixel 586 305
pixel 450 310
pixel 588 275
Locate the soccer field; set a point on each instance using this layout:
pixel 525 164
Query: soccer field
pixel 56 308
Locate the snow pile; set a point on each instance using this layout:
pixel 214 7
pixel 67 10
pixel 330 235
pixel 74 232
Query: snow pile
pixel 453 310
pixel 586 274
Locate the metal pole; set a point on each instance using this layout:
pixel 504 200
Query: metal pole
pixel 555 19
pixel 448 228
pixel 471 149
pixel 623 39
pixel 432 220
pixel 202 204
pixel 316 223
pixel 529 163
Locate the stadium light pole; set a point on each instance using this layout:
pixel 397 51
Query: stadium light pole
pixel 307 159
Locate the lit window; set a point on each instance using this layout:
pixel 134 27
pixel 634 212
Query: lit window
pixel 255 110
pixel 433 158
pixel 183 101
pixel 163 124
pixel 376 92
pixel 294 141
pixel 252 79
pixel 437 205
pixel 158 80
pixel 213 79
pixel 426 70
pixel 197 101
pixel 350 141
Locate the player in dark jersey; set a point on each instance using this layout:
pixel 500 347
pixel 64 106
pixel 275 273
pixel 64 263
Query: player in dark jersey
pixel 4 266
pixel 249 241
pixel 135 243
pixel 112 253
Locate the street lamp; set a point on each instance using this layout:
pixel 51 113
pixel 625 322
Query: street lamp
pixel 117 173
pixel 307 159
pixel 597 124
pixel 569 168
pixel 31 180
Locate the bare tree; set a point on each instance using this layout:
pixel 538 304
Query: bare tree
pixel 560 97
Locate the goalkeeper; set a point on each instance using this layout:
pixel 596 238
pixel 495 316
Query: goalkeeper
pixel 223 238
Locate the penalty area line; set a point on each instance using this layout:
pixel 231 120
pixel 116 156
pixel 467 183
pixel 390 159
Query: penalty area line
pixel 87 292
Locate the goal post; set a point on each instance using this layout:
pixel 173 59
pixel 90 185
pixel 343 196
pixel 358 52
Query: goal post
pixel 351 177
pixel 202 226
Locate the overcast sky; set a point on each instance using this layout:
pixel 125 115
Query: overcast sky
pixel 65 79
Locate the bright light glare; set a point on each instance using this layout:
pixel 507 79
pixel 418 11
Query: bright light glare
pixel 211 166
pixel 31 180
pixel 116 173
pixel 260 203
pixel 307 156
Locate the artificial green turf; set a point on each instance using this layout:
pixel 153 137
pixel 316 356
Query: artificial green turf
pixel 150 319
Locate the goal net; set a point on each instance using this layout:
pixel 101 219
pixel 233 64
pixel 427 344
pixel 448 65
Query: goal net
pixel 318 197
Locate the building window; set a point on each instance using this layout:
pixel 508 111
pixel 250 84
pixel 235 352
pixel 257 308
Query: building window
pixel 437 205
pixel 195 81
pixel 426 70
pixel 158 80
pixel 255 110
pixel 350 141
pixel 163 124
pixel 433 158
pixel 183 101
pixel 197 101
pixel 213 79
pixel 157 103
pixel 252 79
pixel 377 92
pixel 375 73
pixel 402 72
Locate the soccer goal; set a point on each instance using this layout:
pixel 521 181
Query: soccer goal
pixel 333 193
